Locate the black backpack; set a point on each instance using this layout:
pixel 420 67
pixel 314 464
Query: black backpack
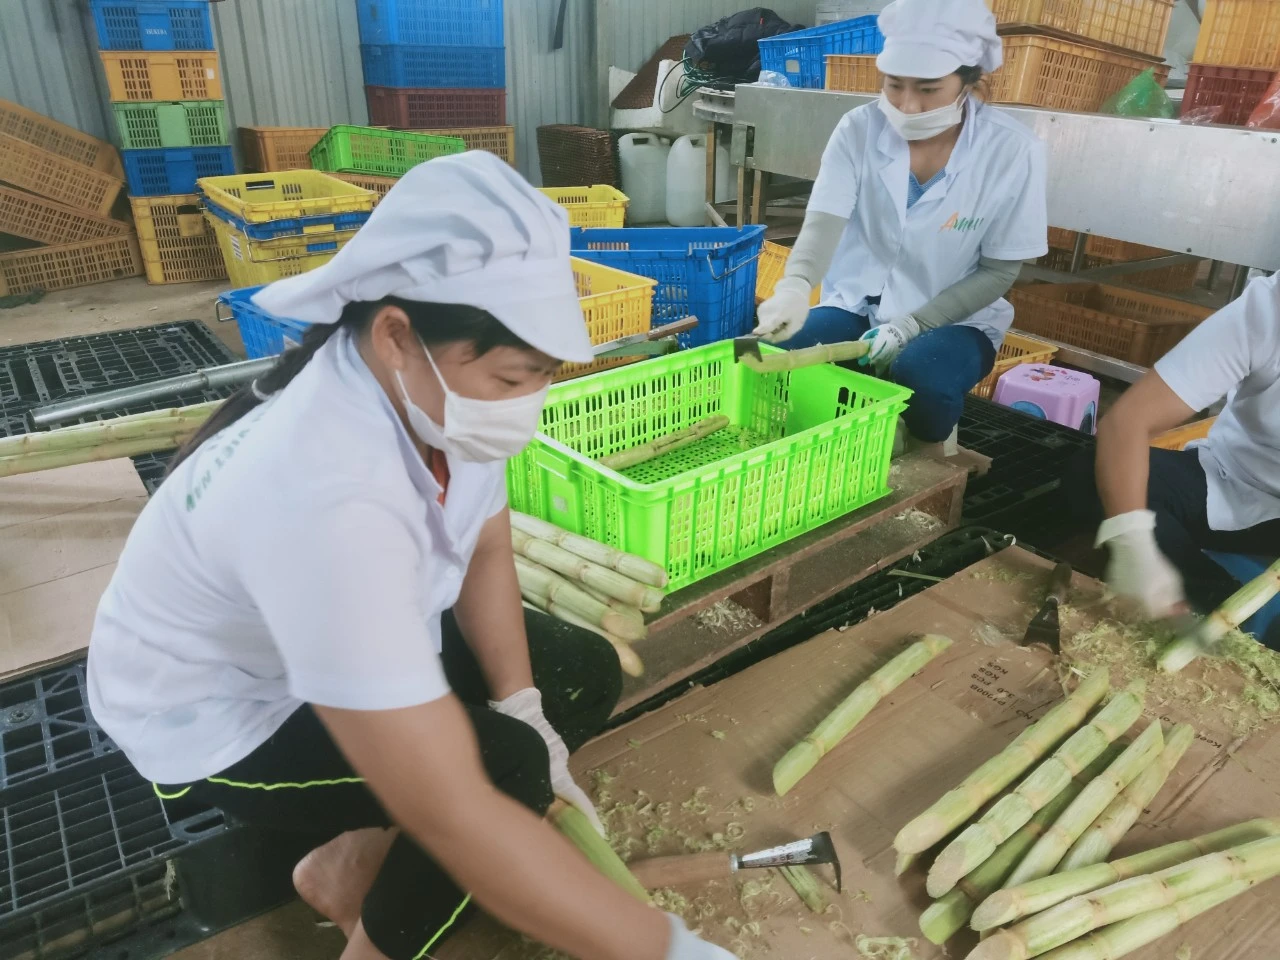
pixel 727 48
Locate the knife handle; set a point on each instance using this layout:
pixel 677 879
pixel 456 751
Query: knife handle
pixel 659 872
pixel 1060 583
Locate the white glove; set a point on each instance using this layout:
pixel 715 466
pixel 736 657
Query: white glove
pixel 526 705
pixel 1138 569
pixel 783 315
pixel 685 946
pixel 888 340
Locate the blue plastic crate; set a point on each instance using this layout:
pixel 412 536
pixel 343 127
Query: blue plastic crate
pixel 454 67
pixel 264 334
pixel 431 23
pixel 802 56
pixel 170 170
pixel 296 227
pixel 705 272
pixel 153 24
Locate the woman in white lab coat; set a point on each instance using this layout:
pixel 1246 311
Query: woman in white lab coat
pixel 926 204
pixel 316 624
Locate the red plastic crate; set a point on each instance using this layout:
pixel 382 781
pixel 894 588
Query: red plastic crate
pixel 1237 90
pixel 421 108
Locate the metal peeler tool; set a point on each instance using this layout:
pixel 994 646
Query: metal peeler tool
pixel 702 867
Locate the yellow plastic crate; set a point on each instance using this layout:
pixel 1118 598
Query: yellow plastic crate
pixel 773 263
pixel 1178 438
pixel 285 195
pixel 1240 33
pixel 177 245
pixel 614 304
pixel 65 181
pixel 1138 25
pixel 850 73
pixel 379 185
pixel 136 75
pixel 598 206
pixel 1015 351
pixel 250 263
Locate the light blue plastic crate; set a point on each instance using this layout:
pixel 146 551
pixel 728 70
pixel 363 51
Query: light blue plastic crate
pixel 264 334
pixel 802 56
pixel 431 23
pixel 153 24
pixel 387 65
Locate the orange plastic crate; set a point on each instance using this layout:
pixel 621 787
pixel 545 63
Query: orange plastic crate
pixel 178 246
pixel 69 265
pixel 36 218
pixel 1104 251
pixel 849 73
pixel 60 139
pixel 268 149
pixel 1138 25
pixel 1240 33
pixel 500 141
pixel 57 178
pixel 166 75
pixel 1015 351
pixel 379 185
pixel 1065 75
pixel 1126 324
pixel 1179 437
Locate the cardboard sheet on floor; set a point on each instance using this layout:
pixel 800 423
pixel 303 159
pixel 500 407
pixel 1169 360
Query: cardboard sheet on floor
pixel 61 532
pixel 698 772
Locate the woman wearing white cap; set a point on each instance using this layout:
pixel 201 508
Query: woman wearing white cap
pixel 316 625
pixel 926 204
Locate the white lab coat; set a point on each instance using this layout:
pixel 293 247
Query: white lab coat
pixel 990 203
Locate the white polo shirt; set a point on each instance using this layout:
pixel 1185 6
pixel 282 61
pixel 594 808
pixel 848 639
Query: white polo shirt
pixel 1236 354
pixel 991 203
pixel 300 556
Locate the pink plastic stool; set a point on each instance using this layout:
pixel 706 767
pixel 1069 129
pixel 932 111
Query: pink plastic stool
pixel 1064 396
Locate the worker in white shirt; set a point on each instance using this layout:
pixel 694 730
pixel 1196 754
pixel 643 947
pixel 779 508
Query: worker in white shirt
pixel 926 204
pixel 316 625
pixel 1161 509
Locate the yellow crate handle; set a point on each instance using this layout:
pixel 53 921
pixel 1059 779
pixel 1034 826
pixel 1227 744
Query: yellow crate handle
pixel 338 237
pixel 319 228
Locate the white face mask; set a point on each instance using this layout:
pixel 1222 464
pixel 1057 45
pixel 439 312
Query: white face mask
pixel 476 431
pixel 922 126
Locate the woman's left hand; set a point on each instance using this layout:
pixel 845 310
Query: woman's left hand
pixel 526 705
pixel 888 340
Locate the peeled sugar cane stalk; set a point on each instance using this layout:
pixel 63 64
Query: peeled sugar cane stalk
pixel 959 805
pixel 1049 850
pixel 806 886
pixel 606 581
pixel 614 604
pixel 1240 606
pixel 628 659
pixel 804 756
pixel 1014 903
pixel 947 916
pixel 1251 863
pixel 165 424
pixel 577 829
pixel 551 588
pixel 664 445
pixel 627 564
pixel 1012 811
pixel 35 462
pixel 1109 829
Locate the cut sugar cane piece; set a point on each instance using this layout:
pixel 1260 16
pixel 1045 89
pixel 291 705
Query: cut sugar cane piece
pixel 661 446
pixel 628 659
pixel 553 588
pixel 574 568
pixel 945 917
pixel 1012 904
pixel 807 357
pixel 614 604
pixel 904 863
pixel 806 886
pixel 1123 938
pixel 1049 850
pixel 1251 863
pixel 1109 829
pixel 578 830
pixel 52 460
pixel 957 806
pixel 804 756
pixel 627 564
pixel 1240 606
pixel 1012 811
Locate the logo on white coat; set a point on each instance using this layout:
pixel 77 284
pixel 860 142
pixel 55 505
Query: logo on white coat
pixel 961 224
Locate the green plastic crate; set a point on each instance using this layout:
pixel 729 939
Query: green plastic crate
pixel 804 447
pixel 179 123
pixel 384 153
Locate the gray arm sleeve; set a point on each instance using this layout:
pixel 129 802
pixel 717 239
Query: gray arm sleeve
pixel 815 248
pixel 983 287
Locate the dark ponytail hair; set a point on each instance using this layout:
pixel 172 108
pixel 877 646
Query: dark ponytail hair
pixel 974 77
pixel 434 323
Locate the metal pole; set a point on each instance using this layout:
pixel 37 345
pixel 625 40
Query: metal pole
pixel 209 378
pixel 1241 281
pixel 1077 255
pixel 1215 274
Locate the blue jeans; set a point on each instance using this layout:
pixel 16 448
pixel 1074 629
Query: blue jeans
pixel 941 366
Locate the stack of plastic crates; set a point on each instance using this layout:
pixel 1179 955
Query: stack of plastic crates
pixel 801 57
pixel 432 65
pixel 59 223
pixel 165 84
pixel 1104 251
pixel 1237 60
pixel 275 225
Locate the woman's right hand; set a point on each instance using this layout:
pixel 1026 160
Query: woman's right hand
pixel 686 946
pixel 783 315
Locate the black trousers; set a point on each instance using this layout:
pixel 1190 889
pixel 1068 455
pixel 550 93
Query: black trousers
pixel 1178 493
pixel 299 781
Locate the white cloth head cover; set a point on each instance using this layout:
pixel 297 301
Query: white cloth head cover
pixel 931 39
pixel 464 229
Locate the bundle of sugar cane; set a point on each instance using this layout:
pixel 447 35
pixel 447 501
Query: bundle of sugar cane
pixel 804 756
pixel 1242 605
pixel 1248 864
pixel 577 829
pixel 663 445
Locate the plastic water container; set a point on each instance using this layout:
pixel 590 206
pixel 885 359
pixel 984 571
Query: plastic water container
pixel 644 176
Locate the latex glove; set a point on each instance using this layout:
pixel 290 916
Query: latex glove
pixel 1138 570
pixel 686 946
pixel 783 315
pixel 526 705
pixel 888 340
